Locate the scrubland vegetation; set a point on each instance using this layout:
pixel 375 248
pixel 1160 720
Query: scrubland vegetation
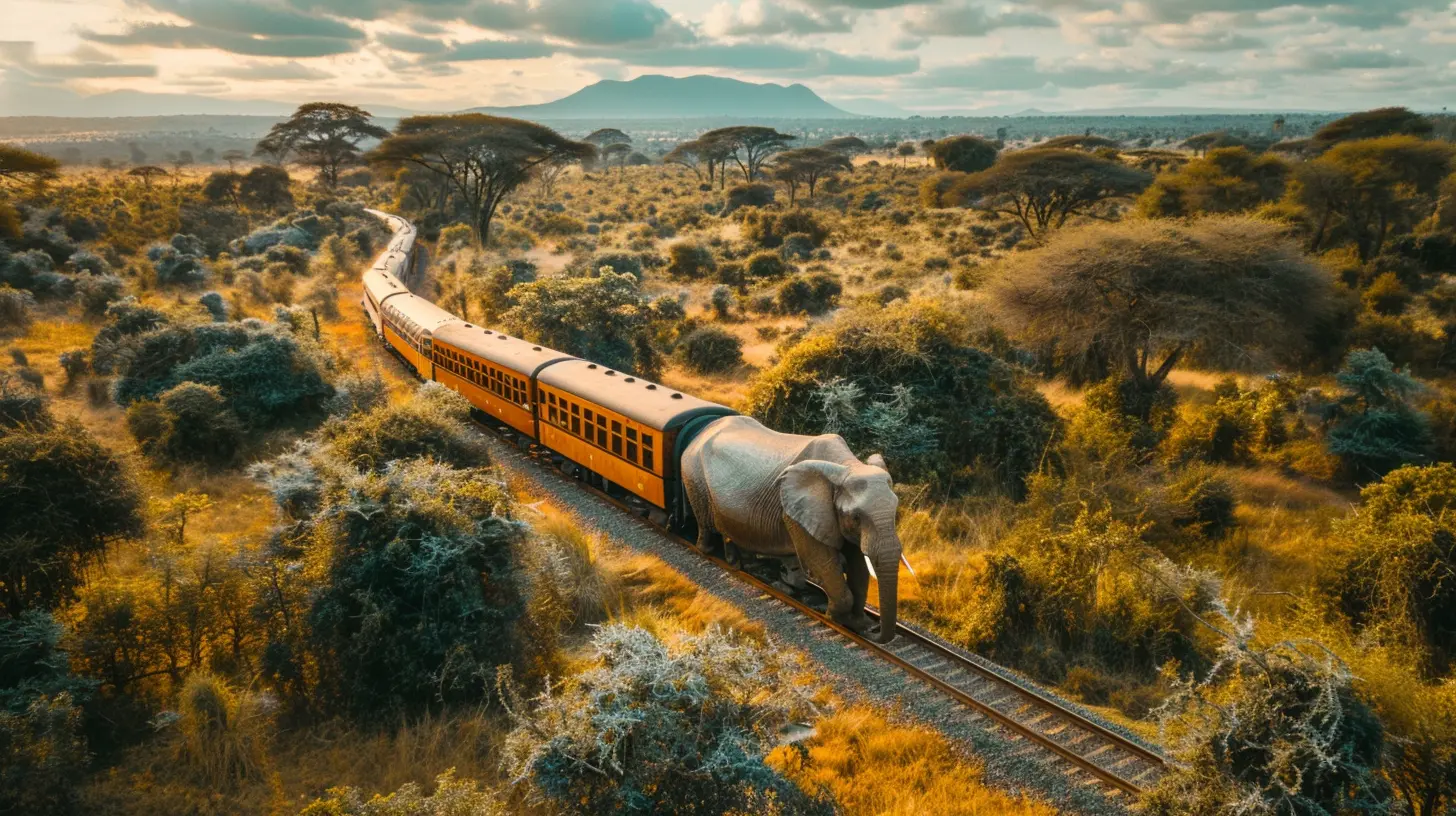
pixel 1173 431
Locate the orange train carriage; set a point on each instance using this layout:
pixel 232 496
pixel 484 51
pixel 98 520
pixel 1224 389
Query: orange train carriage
pixel 493 371
pixel 409 326
pixel 623 432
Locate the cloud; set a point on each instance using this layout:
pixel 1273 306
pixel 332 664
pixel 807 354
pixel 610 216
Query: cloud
pixel 1025 73
pixel 1351 59
pixel 777 58
pixel 167 35
pixel 256 18
pixel 968 20
pixel 273 72
pixel 598 22
pixel 411 44
pixel 93 64
pixel 479 50
pixel 762 17
pixel 1205 37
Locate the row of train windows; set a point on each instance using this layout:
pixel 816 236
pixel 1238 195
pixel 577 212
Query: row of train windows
pixel 596 428
pixel 504 385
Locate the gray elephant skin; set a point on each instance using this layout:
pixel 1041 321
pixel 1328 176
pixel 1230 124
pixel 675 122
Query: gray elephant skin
pixel 781 495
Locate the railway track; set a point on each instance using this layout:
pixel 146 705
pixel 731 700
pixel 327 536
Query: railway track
pixel 1085 750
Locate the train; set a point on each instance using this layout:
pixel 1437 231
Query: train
pixel 620 433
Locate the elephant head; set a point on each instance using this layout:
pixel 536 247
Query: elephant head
pixel 835 503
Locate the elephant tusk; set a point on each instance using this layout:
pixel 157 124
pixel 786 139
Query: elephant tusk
pixel 906 562
pixel 873 574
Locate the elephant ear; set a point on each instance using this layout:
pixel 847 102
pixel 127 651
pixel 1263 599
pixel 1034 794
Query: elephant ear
pixel 806 491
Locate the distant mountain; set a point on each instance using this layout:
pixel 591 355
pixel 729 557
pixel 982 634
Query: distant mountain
pixel 663 97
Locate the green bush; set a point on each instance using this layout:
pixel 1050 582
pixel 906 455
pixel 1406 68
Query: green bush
pixel 766 265
pixel 1378 430
pixel 769 229
pixel 43 757
pixel 598 318
pixel 985 413
pixel 187 423
pixel 809 294
pixel 434 424
pixel 15 305
pixel 66 499
pixel 621 263
pixel 711 350
pixel 654 729
pixel 747 195
pixel 1392 576
pixel 690 261
pixel 420 597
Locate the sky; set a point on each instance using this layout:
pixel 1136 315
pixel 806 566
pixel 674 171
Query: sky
pixel 929 56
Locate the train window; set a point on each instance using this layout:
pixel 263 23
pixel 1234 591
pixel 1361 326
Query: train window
pixel 647 452
pixel 632 450
pixel 589 415
pixel 631 433
pixel 576 426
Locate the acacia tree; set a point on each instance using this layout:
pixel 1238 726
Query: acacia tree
pixel 848 145
pixel 1371 188
pixel 232 157
pixel 147 172
pixel 483 158
pixel 701 154
pixel 749 146
pixel 1144 295
pixel 963 154
pixel 1227 179
pixel 617 150
pixel 325 135
pixel 807 165
pixel 1042 188
pixel 1372 124
pixel 21 166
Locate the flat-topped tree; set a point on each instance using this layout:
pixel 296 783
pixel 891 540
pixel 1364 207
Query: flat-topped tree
pixel 750 146
pixel 1373 124
pixel 615 150
pixel 21 166
pixel 701 154
pixel 807 166
pixel 232 157
pixel 1086 142
pixel 848 145
pixel 147 172
pixel 482 157
pixel 325 135
pixel 1042 188
pixel 1143 295
pixel 607 136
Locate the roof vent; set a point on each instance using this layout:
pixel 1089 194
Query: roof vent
pixel 611 373
pixel 651 387
pixel 488 331
pixel 677 396
pixel 592 366
pixel 501 337
pixel 535 348
pixel 631 379
pixel 468 326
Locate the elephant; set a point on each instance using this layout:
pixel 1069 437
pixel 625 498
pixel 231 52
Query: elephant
pixel 782 495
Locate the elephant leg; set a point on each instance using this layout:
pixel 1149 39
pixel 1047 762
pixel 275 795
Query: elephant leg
pixel 709 539
pixel 822 564
pixel 858 574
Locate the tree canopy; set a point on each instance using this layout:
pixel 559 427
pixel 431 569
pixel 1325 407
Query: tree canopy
pixel 484 158
pixel 1366 190
pixel 21 166
pixel 963 154
pixel 1227 179
pixel 750 146
pixel 1143 295
pixel 1042 188
pixel 325 135
pixel 848 145
pixel 1373 124
pixel 807 166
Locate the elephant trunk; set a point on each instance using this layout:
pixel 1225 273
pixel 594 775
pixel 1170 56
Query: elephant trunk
pixel 887 573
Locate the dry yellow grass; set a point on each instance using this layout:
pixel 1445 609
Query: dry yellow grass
pixel 876 768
